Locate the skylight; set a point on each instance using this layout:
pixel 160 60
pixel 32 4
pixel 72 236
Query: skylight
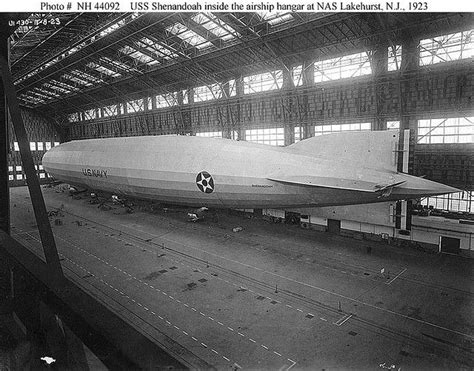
pixel 274 18
pixel 85 76
pixel 64 86
pixel 42 93
pixel 122 66
pixel 77 80
pixel 47 92
pixel 31 99
pixel 214 25
pixel 103 69
pixel 158 48
pixel 138 55
pixel 56 88
pixel 118 25
pixel 35 94
pixel 189 36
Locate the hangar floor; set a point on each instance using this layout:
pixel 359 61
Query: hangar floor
pixel 271 296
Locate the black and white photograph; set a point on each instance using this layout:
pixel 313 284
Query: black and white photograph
pixel 223 185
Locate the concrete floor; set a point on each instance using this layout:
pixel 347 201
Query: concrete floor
pixel 272 296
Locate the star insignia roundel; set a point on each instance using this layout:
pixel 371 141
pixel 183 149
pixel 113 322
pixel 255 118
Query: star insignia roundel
pixel 204 182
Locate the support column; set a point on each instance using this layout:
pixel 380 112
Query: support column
pixel 308 73
pixel 225 125
pixel 239 89
pixel 379 69
pixel 49 246
pixel 408 64
pixel 4 149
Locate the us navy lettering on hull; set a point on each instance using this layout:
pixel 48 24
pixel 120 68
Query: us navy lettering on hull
pixel 95 172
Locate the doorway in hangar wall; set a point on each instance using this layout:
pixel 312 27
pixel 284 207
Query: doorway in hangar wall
pixel 450 245
pixel 334 226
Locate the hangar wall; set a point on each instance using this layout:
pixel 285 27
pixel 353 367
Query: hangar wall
pixel 424 94
pixel 440 91
pixel 42 133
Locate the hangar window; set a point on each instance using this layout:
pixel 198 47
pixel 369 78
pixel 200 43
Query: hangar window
pixel 41 175
pixel 32 146
pixel 166 100
pixel 136 105
pixel 232 88
pixel 185 96
pixel 263 82
pixel 298 133
pixel 207 92
pixel 461 201
pixel 18 168
pixel 73 117
pixel 90 114
pixel 210 134
pixel 108 111
pixel 272 136
pixel 342 67
pixel 447 130
pixel 56 144
pixel 15 146
pixel 48 146
pixel 19 176
pixel 393 125
pixel 11 177
pixel 10 169
pixel 334 128
pixel 447 48
pixel 39 146
pixel 297 75
pixel 394 57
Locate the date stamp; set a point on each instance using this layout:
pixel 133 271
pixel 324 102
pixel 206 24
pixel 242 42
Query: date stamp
pixel 35 22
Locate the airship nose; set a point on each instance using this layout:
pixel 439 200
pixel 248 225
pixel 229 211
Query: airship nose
pixel 416 187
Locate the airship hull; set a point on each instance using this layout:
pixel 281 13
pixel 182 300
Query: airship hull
pixel 219 173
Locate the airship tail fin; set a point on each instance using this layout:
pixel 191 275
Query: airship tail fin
pixel 376 149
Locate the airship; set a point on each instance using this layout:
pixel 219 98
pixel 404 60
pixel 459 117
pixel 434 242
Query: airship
pixel 334 169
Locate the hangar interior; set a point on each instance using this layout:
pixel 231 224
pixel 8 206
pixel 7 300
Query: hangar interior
pixel 271 78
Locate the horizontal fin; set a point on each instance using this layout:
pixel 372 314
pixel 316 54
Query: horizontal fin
pixel 326 182
pixel 386 190
pixel 338 183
